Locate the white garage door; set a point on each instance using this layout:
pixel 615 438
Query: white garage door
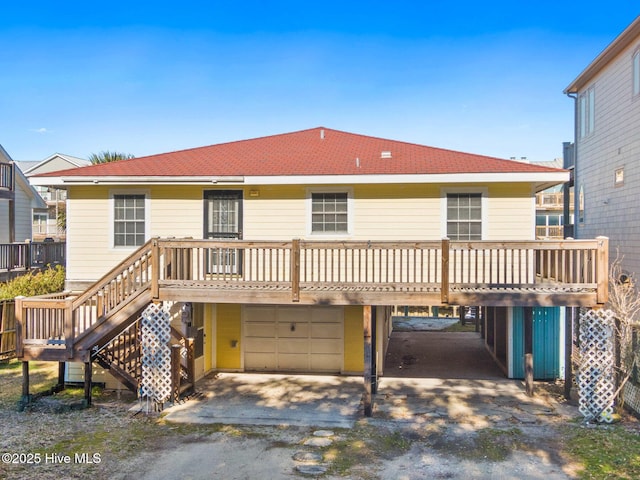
pixel 283 338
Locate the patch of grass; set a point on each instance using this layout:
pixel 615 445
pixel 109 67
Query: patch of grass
pixel 488 444
pixel 496 445
pixel 364 445
pixel 605 451
pixel 458 327
pixel 42 376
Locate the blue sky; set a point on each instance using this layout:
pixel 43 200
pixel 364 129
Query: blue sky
pixel 150 77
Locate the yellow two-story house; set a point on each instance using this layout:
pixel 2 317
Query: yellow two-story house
pixel 283 253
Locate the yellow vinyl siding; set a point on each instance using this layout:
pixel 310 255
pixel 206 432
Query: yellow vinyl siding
pixel 278 213
pixel 89 250
pixel 209 312
pixel 229 329
pixel 353 340
pixel 380 212
pixel 177 211
pixel 511 212
pixel 397 212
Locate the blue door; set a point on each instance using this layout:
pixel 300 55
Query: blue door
pixel 546 342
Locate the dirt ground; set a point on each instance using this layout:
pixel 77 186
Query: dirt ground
pixel 108 442
pixel 443 432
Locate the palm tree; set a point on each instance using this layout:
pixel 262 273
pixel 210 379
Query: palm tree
pixel 107 156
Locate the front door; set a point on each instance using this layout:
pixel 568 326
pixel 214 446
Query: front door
pixel 223 221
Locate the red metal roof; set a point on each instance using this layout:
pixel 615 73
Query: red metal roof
pixel 317 151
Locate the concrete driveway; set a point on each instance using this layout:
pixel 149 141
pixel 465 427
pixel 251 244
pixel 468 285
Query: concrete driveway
pixel 272 399
pixel 427 375
pixel 335 402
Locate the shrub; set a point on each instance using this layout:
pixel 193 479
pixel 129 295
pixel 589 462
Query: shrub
pixel 50 280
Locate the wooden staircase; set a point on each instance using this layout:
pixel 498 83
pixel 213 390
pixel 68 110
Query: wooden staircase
pixel 80 328
pixel 122 356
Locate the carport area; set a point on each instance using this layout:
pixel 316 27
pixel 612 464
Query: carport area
pixel 429 376
pixel 434 354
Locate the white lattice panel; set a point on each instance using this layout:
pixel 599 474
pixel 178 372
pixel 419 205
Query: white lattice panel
pixel 596 372
pixel 156 354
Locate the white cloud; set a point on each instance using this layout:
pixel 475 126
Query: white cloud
pixel 40 130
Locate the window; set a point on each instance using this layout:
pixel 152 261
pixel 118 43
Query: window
pixel 581 205
pixel 329 212
pixel 586 105
pixel 619 177
pixel 464 216
pixel 636 73
pixel 128 220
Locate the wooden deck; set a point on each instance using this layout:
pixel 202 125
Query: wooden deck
pixel 535 273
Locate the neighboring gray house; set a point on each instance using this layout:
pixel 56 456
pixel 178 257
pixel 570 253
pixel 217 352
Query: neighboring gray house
pixel 45 222
pixel 607 147
pixel 18 201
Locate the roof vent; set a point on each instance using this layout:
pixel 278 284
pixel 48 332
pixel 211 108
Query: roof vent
pixel 322 134
pixel 385 154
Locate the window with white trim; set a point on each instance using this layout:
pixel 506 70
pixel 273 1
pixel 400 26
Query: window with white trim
pixel 586 111
pixel 464 216
pixel 128 220
pixel 329 212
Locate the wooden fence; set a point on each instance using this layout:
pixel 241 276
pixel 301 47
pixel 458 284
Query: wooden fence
pixel 7 329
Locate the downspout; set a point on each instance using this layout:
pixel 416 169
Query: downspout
pixel 571 313
pixel 576 196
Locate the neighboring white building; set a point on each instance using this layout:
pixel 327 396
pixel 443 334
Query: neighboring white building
pixel 18 202
pixel 607 140
pixel 45 223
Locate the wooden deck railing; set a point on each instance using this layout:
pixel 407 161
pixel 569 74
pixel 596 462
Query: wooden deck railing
pixel 445 272
pixel 63 319
pixel 128 278
pixel 7 176
pixel 30 255
pixel 445 266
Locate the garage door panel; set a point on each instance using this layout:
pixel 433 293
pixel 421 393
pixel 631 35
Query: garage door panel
pixel 262 345
pixel 260 361
pixel 260 314
pixel 293 338
pixel 293 361
pixel 326 315
pixel 325 346
pixel 300 330
pixel 293 346
pixel 253 329
pixel 326 363
pixel 292 314
pixel 326 330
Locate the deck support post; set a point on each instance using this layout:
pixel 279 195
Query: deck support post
pixel 25 381
pixel 528 351
pixel 295 270
pixel 87 383
pixel 61 370
pixel 190 343
pixel 175 373
pixel 368 355
pixel 155 268
pixel 569 322
pixel 444 286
